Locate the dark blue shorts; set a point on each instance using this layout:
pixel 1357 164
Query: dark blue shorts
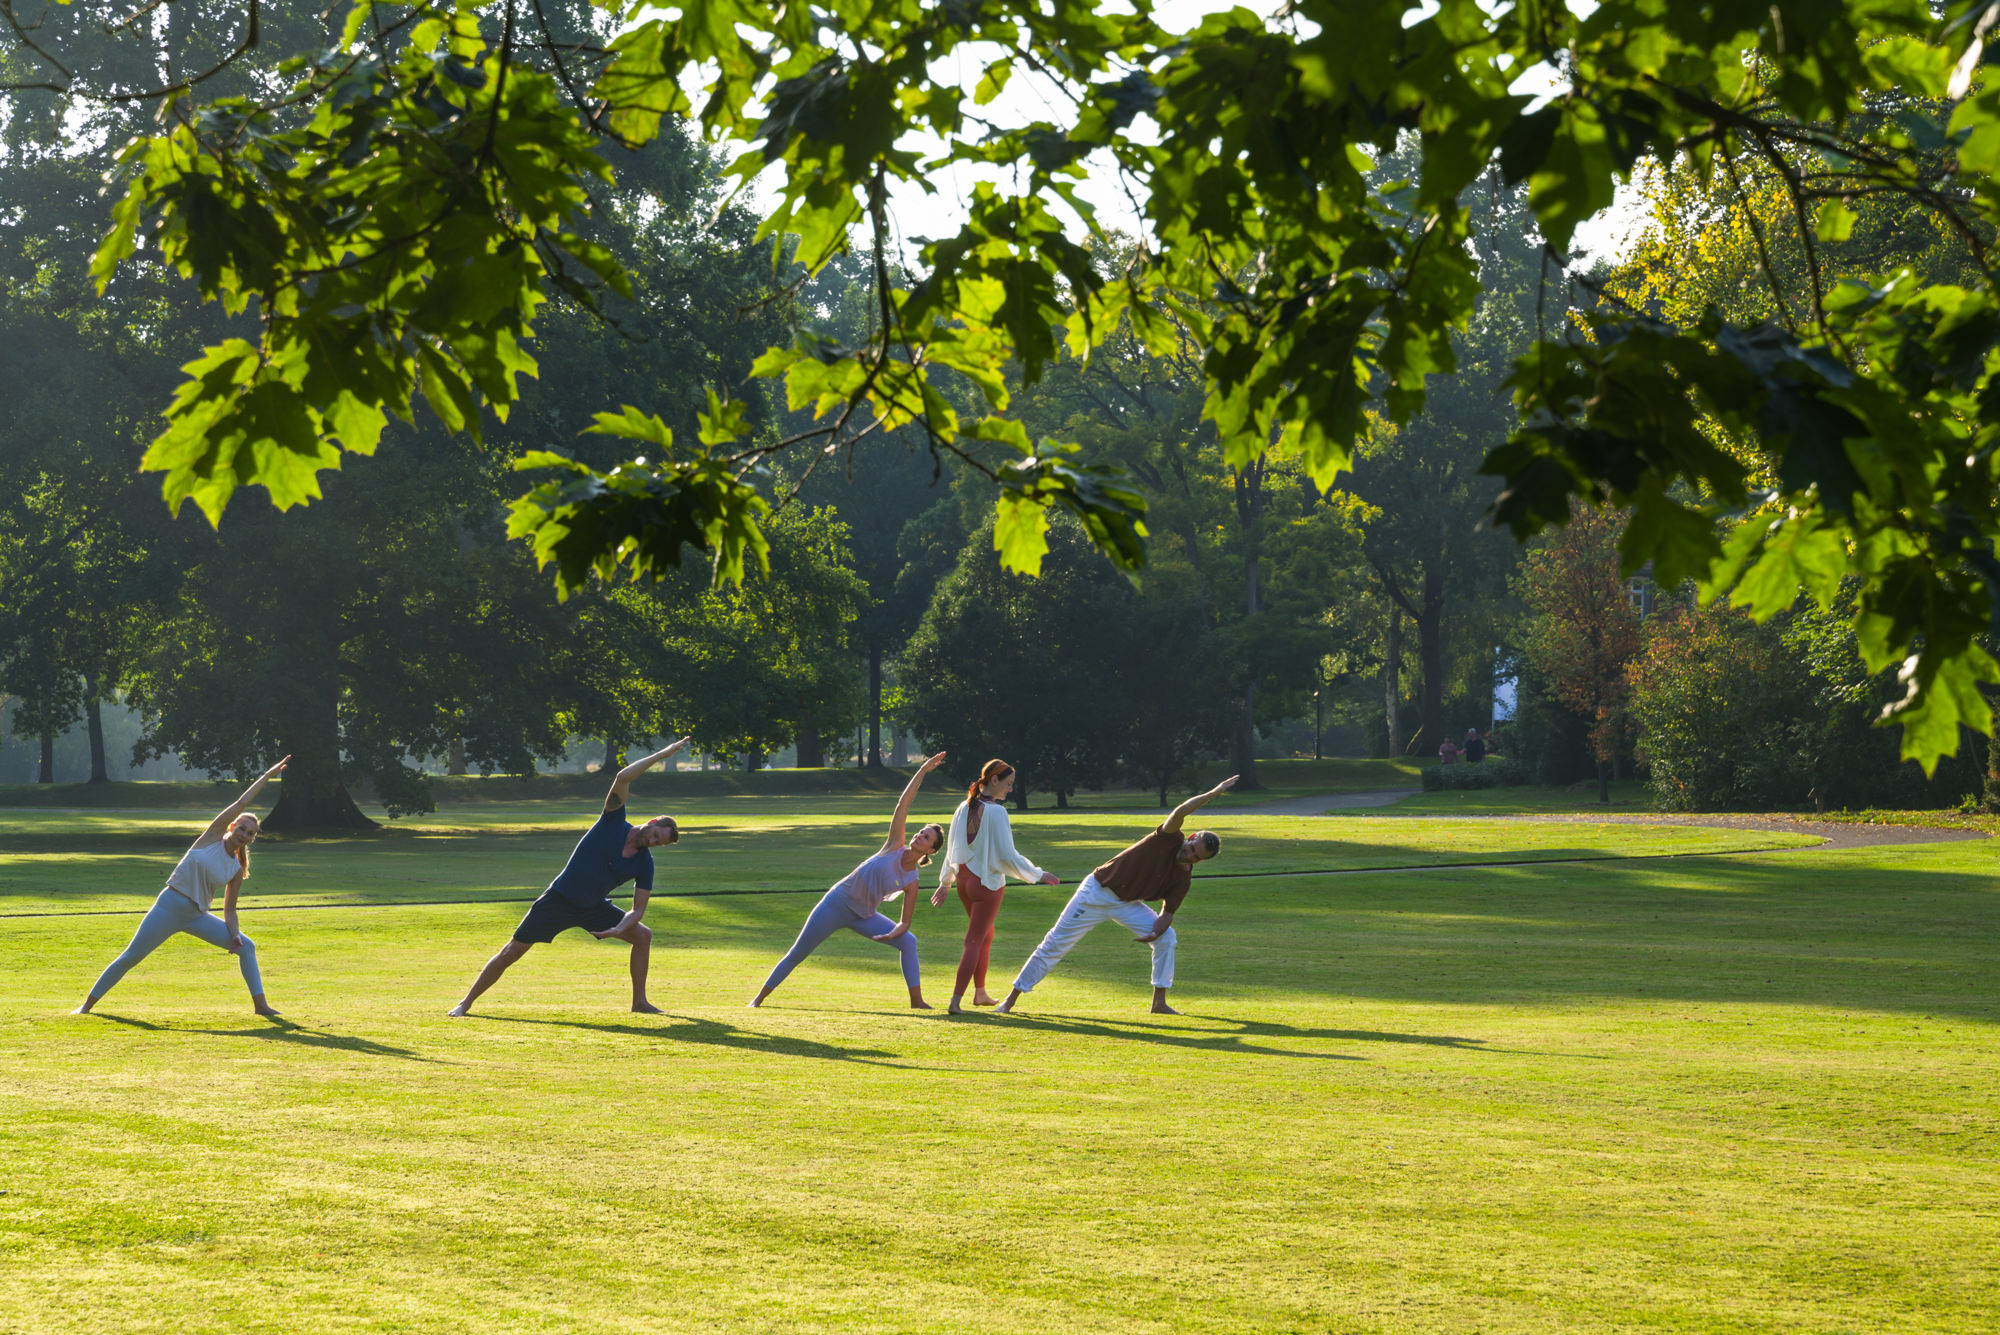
pixel 554 913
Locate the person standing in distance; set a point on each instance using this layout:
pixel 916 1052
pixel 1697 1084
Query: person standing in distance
pixel 611 852
pixel 219 856
pixel 979 857
pixel 1160 866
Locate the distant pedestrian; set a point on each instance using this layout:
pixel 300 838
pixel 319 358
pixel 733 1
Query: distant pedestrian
pixel 1160 866
pixel 1475 746
pixel 855 902
pixel 219 857
pixel 978 859
pixel 1447 752
pixel 611 852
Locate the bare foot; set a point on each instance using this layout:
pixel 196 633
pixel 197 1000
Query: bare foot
pixel 980 998
pixel 84 1009
pixel 1162 1008
pixel 461 1010
pixel 754 1002
pixel 919 1005
pixel 645 1008
pixel 266 1010
pixel 954 1008
pixel 1004 1008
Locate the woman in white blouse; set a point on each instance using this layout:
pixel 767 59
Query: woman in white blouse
pixel 979 857
pixel 220 857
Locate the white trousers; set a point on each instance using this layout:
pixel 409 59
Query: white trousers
pixel 1090 905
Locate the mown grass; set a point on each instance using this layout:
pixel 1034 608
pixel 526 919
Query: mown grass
pixel 1743 1093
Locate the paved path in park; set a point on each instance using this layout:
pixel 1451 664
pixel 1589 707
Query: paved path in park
pixel 1837 834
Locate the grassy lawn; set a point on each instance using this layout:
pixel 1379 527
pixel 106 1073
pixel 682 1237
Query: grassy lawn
pixel 1705 1093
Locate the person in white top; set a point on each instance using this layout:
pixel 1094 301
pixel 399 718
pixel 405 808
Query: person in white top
pixel 979 857
pixel 220 857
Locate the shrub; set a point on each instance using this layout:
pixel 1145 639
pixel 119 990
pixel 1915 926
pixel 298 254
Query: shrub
pixel 1499 772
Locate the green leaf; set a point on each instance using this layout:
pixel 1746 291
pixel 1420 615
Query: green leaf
pixel 1021 533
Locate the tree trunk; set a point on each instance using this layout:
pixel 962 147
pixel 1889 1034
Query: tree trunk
pixel 1430 658
pixel 311 795
pixel 1243 746
pixel 93 715
pixel 1062 799
pixel 874 706
pixel 454 756
pixel 1992 795
pixel 1163 788
pixel 751 759
pixel 48 772
pixel 1392 681
pixel 614 757
pixel 1020 790
pixel 811 754
pixel 1604 783
pixel 1249 487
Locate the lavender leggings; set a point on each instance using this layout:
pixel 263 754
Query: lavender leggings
pixel 175 912
pixel 832 913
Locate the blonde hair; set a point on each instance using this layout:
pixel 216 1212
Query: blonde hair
pixel 243 852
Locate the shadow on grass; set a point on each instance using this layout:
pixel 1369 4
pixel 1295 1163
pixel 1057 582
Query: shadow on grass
pixel 692 1029
pixel 1232 1040
pixel 282 1031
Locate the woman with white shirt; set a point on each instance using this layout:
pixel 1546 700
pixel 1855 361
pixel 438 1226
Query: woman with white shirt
pixel 979 857
pixel 220 857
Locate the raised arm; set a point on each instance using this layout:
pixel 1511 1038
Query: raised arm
pixel 622 785
pixel 220 824
pixel 895 839
pixel 1196 803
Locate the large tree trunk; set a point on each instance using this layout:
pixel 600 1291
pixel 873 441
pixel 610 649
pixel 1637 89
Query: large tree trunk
pixel 751 760
pixel 1430 657
pixel 454 756
pixel 614 757
pixel 93 716
pixel 48 771
pixel 874 706
pixel 811 754
pixel 1392 681
pixel 311 795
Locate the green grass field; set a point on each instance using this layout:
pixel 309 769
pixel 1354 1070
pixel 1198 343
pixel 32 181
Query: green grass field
pixel 1632 1080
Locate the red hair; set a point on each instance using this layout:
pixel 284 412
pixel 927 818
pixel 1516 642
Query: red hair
pixel 994 771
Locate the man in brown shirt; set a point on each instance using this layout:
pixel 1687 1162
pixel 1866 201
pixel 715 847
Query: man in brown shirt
pixel 1160 866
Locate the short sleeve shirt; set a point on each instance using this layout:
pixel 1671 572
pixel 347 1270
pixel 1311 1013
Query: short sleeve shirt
pixel 598 864
pixel 1150 869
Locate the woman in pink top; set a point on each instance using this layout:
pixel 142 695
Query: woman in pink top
pixel 979 858
pixel 219 858
pixel 856 902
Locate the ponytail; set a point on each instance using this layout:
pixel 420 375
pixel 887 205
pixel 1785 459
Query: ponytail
pixel 993 772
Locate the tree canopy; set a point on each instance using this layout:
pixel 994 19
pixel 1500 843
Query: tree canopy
pixel 396 208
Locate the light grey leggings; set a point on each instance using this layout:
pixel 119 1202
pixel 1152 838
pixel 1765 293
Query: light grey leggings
pixel 175 912
pixel 832 913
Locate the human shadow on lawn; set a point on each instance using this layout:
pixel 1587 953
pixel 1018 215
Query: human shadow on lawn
pixel 692 1029
pixel 280 1030
pixel 1175 1036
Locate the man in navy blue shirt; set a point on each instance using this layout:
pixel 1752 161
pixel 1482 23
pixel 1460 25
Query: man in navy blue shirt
pixel 611 852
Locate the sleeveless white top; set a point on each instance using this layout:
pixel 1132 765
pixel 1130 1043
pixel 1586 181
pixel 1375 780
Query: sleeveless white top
pixel 202 871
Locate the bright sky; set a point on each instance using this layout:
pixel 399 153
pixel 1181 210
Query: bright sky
pixel 939 212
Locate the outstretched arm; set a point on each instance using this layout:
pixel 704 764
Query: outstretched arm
pixel 622 785
pixel 1196 803
pixel 229 813
pixel 895 839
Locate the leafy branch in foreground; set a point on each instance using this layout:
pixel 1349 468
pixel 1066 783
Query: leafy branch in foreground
pixel 401 237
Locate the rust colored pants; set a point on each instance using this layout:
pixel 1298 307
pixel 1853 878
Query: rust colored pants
pixel 982 906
